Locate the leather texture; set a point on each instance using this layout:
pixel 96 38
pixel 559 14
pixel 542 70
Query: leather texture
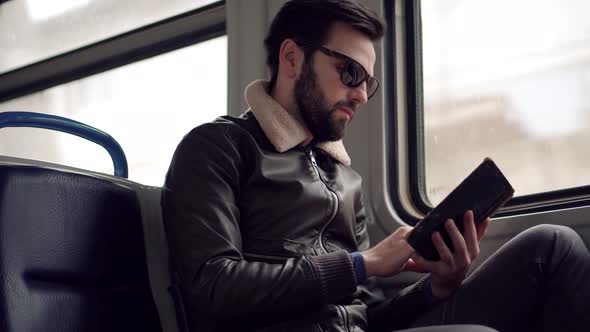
pixel 72 254
pixel 261 239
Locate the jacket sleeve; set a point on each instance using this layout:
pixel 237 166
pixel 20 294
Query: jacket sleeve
pixel 399 311
pixel 202 222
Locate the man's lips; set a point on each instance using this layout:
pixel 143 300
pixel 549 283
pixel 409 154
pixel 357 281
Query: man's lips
pixel 347 111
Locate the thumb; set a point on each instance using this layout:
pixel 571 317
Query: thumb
pixel 412 266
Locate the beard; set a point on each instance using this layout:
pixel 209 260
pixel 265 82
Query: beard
pixel 315 110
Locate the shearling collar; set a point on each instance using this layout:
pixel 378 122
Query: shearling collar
pixel 284 129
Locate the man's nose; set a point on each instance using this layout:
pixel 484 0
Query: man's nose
pixel 359 94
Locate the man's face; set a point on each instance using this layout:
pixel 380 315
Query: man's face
pixel 325 103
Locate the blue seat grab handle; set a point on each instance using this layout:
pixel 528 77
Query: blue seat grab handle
pixel 53 122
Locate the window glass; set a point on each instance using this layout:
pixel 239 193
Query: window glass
pixel 147 106
pixel 34 30
pixel 509 80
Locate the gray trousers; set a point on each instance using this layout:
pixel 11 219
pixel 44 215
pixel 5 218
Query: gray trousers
pixel 538 281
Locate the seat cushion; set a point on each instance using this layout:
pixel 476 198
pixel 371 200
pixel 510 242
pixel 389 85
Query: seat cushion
pixel 72 255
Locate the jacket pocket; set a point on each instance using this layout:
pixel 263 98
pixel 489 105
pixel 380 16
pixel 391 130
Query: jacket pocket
pixel 251 256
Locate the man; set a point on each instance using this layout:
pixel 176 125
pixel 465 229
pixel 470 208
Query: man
pixel 266 224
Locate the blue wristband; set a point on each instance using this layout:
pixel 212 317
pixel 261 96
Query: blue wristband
pixel 358 265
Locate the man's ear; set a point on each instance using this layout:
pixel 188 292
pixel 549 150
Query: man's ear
pixel 291 58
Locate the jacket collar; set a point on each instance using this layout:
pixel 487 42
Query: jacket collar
pixel 284 129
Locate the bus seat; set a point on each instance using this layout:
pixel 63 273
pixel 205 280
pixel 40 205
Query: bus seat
pixel 71 254
pixel 164 287
pixel 80 250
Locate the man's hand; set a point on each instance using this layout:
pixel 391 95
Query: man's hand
pixel 448 273
pixel 389 256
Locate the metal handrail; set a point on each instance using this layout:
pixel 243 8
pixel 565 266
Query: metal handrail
pixel 58 123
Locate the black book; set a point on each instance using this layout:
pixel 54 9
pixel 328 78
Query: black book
pixel 484 191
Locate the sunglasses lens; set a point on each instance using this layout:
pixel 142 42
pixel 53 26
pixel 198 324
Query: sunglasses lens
pixel 354 74
pixel 349 74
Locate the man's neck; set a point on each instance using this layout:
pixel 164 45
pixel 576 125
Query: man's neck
pixel 285 97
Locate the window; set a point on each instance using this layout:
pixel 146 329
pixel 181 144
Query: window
pixel 507 80
pixel 34 30
pixel 147 106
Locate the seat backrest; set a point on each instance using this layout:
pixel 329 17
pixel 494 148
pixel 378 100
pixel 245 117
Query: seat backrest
pixel 72 255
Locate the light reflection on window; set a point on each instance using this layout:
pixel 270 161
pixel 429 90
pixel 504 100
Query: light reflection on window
pixel 34 30
pixel 40 10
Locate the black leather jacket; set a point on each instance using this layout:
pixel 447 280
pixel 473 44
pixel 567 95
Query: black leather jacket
pixel 261 239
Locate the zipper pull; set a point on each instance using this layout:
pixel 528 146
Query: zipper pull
pixel 312 158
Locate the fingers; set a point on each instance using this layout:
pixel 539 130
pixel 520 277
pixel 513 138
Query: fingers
pixel 401 234
pixel 403 231
pixel 423 265
pixel 389 256
pixel 450 271
pixel 413 266
pixel 482 227
pixel 459 245
pixel 470 235
pixel 465 248
pixel 444 252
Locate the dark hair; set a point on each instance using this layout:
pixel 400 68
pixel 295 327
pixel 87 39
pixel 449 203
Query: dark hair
pixel 308 21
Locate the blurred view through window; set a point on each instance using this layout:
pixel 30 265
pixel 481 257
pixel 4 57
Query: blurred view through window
pixel 147 106
pixel 34 30
pixel 509 80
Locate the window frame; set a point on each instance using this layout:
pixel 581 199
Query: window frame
pixel 154 39
pixel 412 57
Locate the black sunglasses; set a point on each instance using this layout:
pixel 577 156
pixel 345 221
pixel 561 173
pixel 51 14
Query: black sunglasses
pixel 353 73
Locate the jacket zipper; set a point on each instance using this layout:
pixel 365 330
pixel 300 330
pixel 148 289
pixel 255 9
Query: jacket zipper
pixel 317 328
pixel 344 317
pixel 332 194
pixel 314 163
